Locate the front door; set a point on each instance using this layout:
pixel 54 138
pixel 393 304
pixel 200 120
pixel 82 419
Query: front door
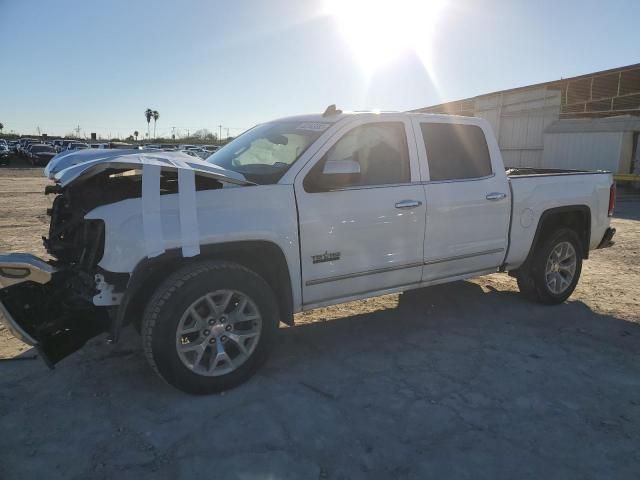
pixel 361 210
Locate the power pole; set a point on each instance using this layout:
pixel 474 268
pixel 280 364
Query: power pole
pixel 220 136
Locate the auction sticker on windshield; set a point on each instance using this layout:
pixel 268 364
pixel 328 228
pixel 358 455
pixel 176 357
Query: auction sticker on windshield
pixel 313 126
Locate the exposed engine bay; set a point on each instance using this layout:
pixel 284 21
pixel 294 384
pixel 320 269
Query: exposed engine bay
pixel 62 314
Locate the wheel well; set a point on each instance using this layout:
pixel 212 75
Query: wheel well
pixel 263 257
pixel 577 218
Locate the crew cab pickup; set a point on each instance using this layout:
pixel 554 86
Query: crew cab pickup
pixel 205 258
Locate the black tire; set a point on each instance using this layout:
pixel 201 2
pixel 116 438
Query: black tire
pixel 531 279
pixel 169 302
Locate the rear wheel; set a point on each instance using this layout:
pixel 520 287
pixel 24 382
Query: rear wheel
pixel 209 326
pixel 554 271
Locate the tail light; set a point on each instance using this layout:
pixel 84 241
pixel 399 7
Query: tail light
pixel 612 199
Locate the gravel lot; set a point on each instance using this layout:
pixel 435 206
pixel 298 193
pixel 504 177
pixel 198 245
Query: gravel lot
pixel 466 380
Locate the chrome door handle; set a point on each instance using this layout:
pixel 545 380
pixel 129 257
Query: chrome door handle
pixel 408 204
pixel 496 196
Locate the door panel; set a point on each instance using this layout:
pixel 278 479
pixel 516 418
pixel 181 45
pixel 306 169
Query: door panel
pixel 365 234
pixel 465 231
pixel 468 199
pixel 379 246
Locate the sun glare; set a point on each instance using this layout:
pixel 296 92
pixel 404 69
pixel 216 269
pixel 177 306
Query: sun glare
pixel 378 31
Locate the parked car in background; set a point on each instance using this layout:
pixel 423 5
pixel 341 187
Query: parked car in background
pixel 65 144
pixel 211 148
pixel 5 154
pixel 26 151
pixel 76 146
pixel 199 151
pixel 13 145
pixel 121 145
pixel 23 145
pixel 191 153
pixel 41 154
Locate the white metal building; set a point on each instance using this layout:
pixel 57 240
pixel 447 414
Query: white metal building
pixel 586 122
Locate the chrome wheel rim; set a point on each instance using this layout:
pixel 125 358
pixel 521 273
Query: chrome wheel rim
pixel 218 332
pixel 560 268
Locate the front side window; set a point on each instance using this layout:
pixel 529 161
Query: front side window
pixel 264 153
pixel 455 151
pixel 368 155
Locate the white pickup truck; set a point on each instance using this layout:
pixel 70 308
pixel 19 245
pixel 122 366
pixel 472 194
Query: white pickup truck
pixel 205 258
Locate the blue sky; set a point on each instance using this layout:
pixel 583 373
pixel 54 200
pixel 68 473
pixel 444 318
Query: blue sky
pixel 207 63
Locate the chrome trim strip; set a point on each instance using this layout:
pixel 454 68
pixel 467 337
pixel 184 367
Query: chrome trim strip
pixel 368 187
pixel 558 174
pixel 38 270
pixel 374 271
pixel 398 288
pixel 456 180
pixel 461 257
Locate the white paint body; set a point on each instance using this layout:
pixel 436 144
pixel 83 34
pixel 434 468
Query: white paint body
pixel 453 232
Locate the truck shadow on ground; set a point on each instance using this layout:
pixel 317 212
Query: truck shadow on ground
pixel 453 381
pixel 462 318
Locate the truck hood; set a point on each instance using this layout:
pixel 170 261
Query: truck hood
pixel 76 166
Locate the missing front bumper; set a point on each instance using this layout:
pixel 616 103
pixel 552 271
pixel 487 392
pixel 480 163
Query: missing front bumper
pixel 40 306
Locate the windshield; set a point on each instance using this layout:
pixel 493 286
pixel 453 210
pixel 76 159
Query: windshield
pixel 264 153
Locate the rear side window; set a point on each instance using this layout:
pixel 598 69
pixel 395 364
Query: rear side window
pixel 455 151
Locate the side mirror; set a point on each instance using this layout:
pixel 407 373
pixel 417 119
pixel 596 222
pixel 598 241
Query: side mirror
pixel 341 167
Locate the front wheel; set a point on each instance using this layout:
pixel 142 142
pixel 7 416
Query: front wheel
pixel 209 326
pixel 554 270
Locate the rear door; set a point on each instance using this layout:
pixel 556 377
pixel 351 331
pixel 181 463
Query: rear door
pixel 468 199
pixel 361 210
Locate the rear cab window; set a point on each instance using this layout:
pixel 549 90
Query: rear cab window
pixel 455 151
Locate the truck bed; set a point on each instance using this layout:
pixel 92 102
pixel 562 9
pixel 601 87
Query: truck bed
pixel 537 190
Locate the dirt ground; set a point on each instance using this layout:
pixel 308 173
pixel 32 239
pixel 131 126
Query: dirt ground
pixel 466 380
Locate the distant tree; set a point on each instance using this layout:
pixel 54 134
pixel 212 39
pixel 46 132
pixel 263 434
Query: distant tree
pixel 130 138
pixel 148 114
pixel 156 116
pixel 205 135
pixel 135 134
pixel 1 127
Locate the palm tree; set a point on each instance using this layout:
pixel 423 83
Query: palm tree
pixel 135 134
pixel 156 116
pixel 148 113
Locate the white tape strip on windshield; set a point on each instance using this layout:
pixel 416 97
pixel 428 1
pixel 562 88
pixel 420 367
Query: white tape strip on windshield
pixel 190 234
pixel 151 219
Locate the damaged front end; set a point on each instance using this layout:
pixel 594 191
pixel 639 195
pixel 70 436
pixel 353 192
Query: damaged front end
pixel 49 304
pixel 59 304
pixel 45 306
